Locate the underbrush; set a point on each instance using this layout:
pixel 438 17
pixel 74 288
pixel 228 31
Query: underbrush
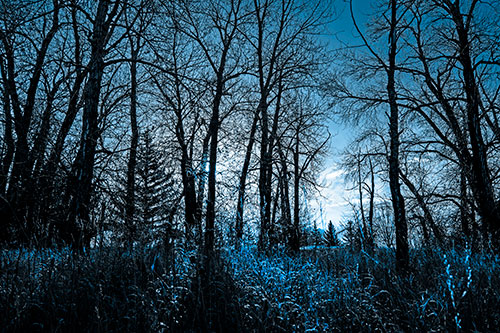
pixel 156 290
pixel 338 290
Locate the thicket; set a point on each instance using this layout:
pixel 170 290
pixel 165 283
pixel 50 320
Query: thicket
pixel 322 290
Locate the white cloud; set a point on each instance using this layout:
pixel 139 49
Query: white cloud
pixel 332 199
pixel 334 175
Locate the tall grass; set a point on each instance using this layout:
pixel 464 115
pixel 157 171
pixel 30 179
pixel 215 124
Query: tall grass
pixel 154 290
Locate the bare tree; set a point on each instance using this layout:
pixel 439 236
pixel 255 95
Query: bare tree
pixel 360 170
pixel 307 144
pixel 22 103
pixel 282 28
pixel 77 230
pixel 136 43
pixel 396 15
pixel 455 121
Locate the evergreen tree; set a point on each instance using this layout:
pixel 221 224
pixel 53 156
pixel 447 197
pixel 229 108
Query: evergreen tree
pixel 330 238
pixel 154 198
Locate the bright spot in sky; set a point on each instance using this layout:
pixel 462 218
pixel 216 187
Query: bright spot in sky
pixel 332 199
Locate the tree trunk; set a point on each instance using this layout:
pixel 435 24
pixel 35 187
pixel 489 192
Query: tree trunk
pixel 48 180
pixel 264 170
pixel 243 178
pixel 398 204
pixel 5 213
pixel 14 207
pixel 286 215
pixel 273 228
pixel 295 244
pixel 72 110
pixel 364 237
pixel 77 230
pixel 371 240
pixel 33 192
pixel 481 181
pixel 189 186
pixel 266 163
pixel 8 136
pixel 464 205
pixel 20 175
pixel 203 175
pixel 132 161
pixel 214 141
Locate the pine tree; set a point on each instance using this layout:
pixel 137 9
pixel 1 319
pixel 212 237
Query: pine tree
pixel 330 238
pixel 154 197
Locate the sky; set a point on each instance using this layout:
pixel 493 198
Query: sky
pixel 333 199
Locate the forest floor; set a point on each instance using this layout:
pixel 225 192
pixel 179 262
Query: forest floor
pixel 323 290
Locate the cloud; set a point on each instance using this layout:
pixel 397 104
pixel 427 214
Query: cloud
pixel 332 200
pixel 334 175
